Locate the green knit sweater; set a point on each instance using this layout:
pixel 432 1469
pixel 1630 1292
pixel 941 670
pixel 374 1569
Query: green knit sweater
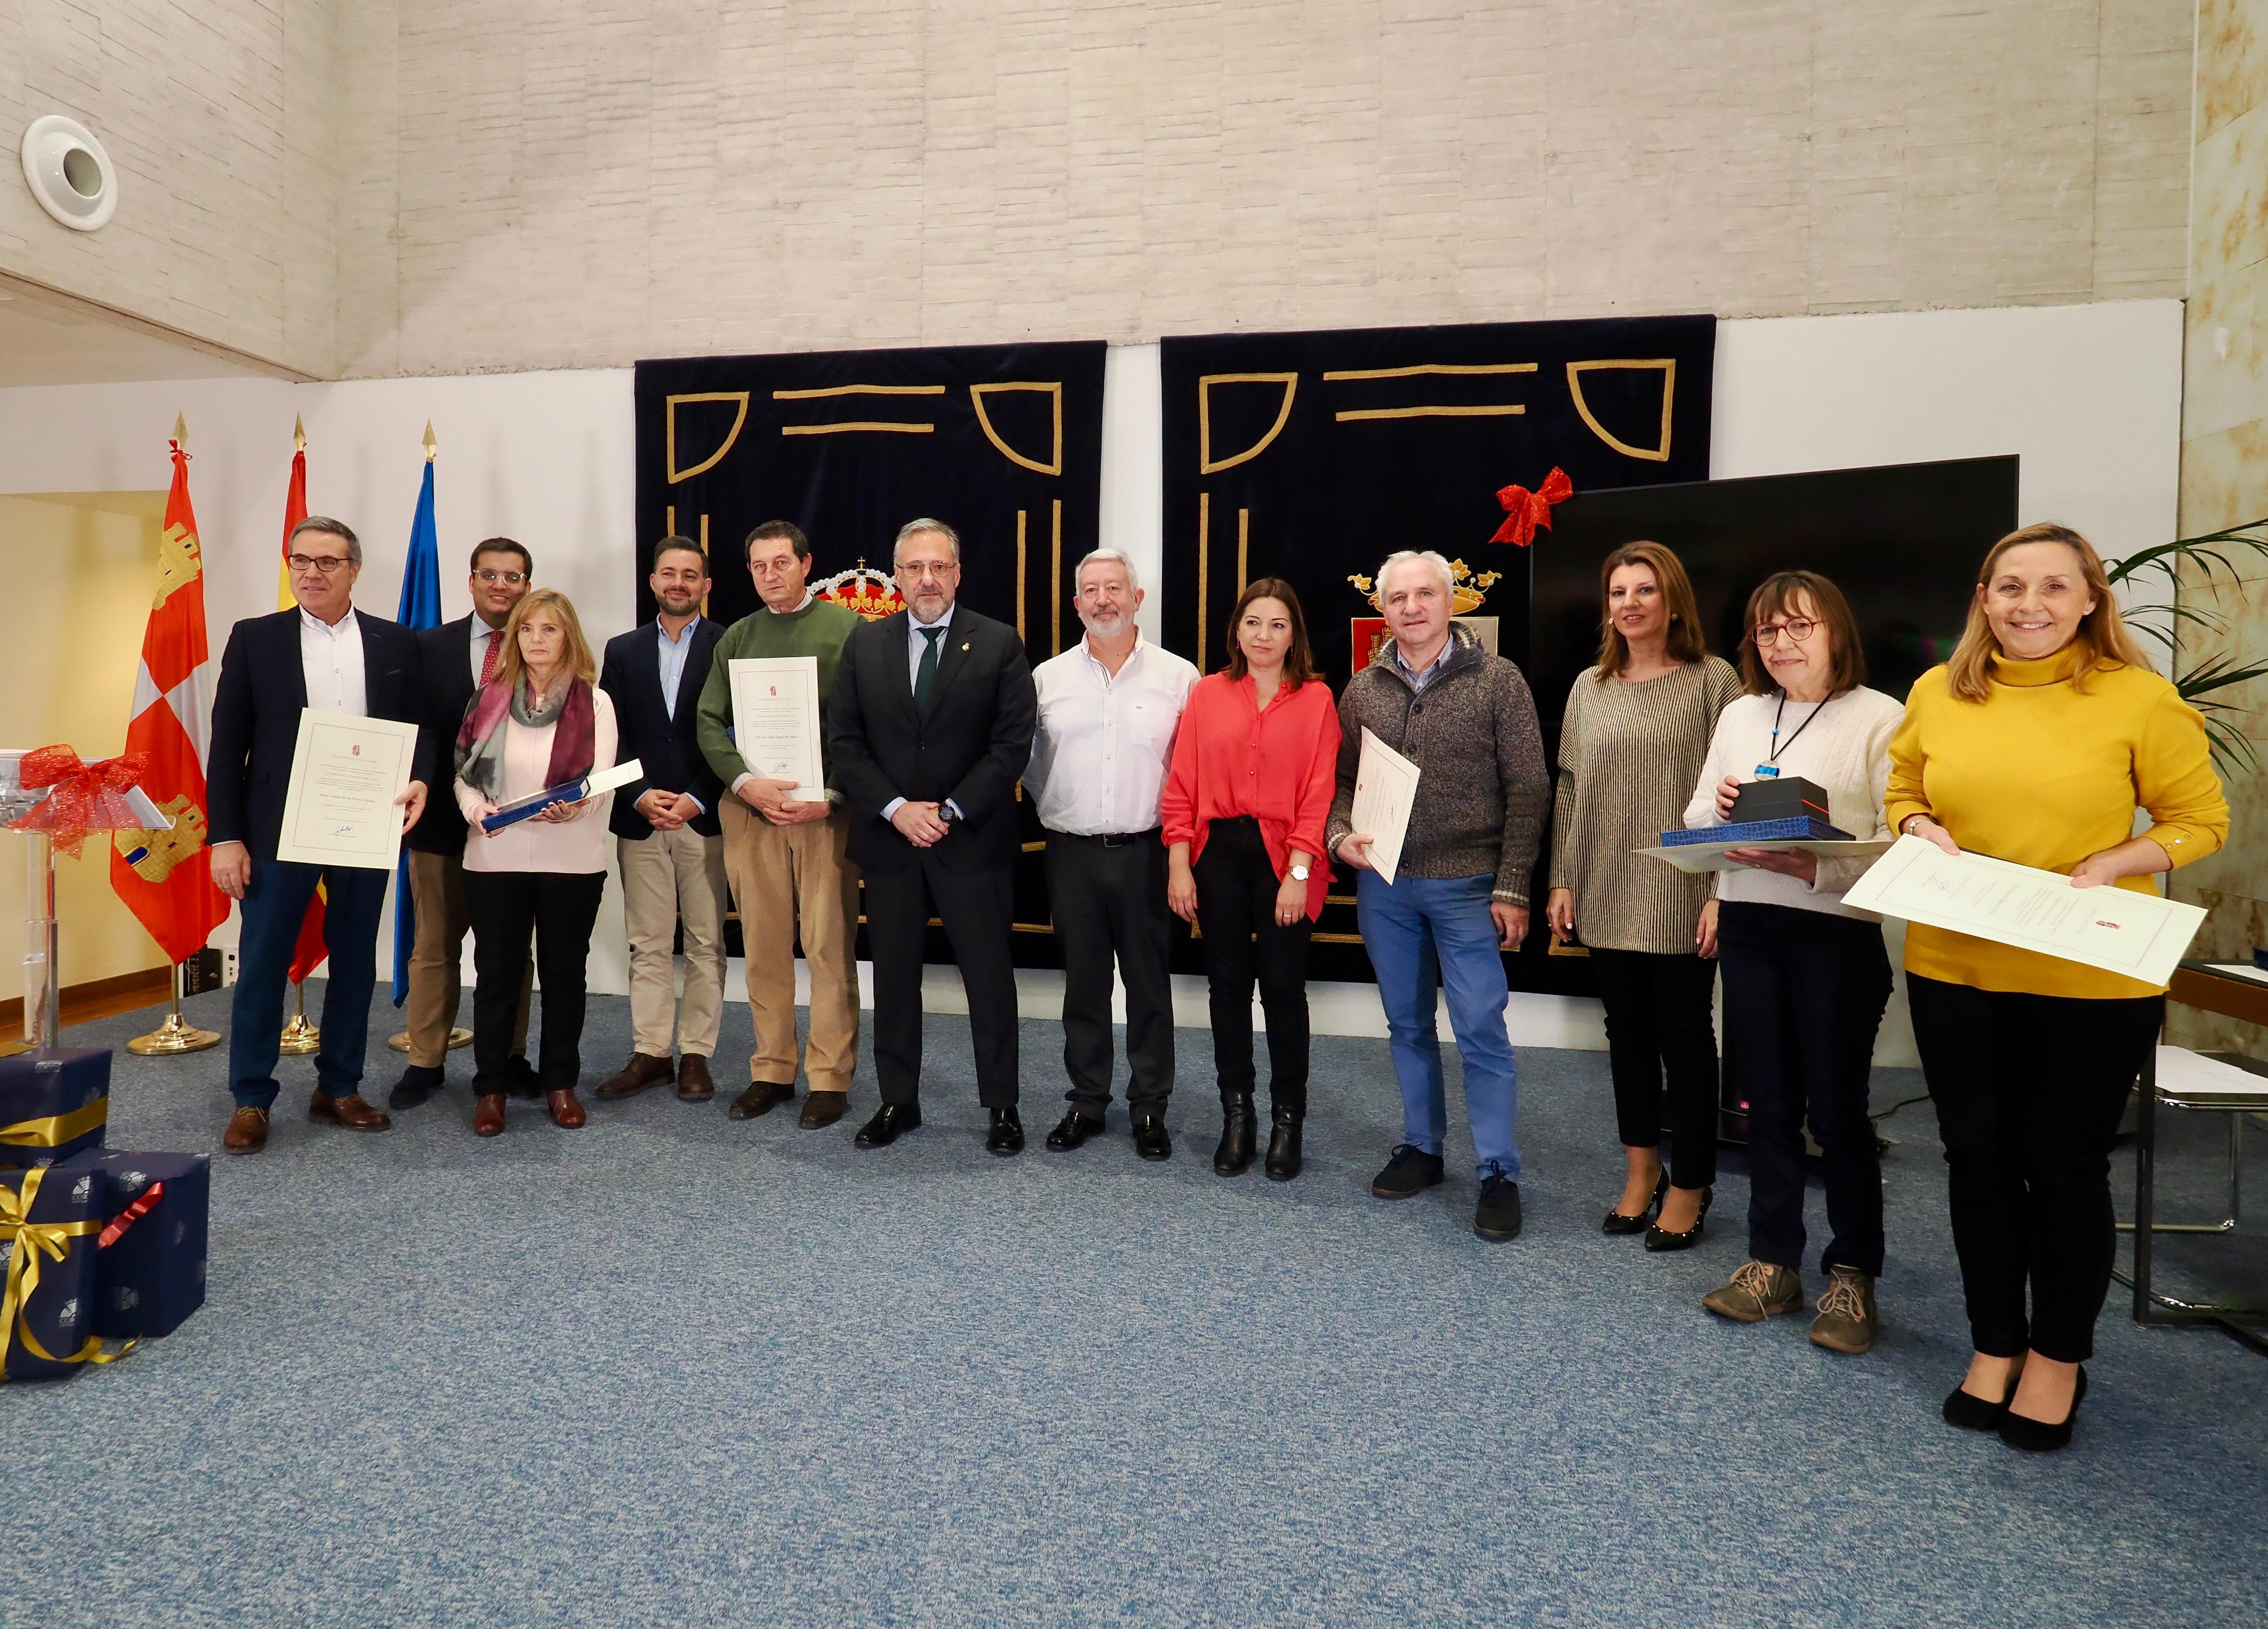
pixel 818 629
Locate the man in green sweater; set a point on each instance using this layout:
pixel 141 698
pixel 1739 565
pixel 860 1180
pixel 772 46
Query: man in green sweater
pixel 784 858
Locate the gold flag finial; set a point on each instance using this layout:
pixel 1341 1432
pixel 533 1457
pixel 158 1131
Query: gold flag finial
pixel 432 447
pixel 181 432
pixel 299 434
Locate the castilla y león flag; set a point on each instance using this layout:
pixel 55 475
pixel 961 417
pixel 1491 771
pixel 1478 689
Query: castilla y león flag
pixel 165 877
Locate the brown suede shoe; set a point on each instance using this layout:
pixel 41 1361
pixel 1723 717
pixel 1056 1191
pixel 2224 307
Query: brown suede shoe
pixel 350 1111
pixel 247 1131
pixel 643 1070
pixel 566 1109
pixel 487 1115
pixel 761 1098
pixel 695 1083
pixel 823 1108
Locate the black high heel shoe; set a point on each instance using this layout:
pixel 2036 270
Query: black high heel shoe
pixel 1971 1412
pixel 2037 1436
pixel 1658 1238
pixel 1618 1224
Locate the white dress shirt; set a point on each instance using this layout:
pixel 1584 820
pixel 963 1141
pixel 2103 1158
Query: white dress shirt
pixel 481 632
pixel 1104 741
pixel 330 660
pixel 917 642
pixel 674 652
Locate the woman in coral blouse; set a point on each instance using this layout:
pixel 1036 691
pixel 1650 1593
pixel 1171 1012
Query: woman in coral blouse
pixel 1254 769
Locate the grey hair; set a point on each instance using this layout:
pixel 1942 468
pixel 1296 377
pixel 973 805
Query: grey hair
pixel 1430 556
pixel 1108 556
pixel 925 525
pixel 337 528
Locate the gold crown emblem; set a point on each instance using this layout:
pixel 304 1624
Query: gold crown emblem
pixel 866 590
pixel 1467 588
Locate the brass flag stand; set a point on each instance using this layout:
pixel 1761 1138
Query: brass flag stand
pixel 300 1037
pixel 176 1035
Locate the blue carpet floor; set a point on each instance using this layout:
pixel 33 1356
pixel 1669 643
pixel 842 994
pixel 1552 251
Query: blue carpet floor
pixel 679 1369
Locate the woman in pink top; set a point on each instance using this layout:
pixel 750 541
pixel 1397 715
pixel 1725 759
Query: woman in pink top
pixel 1254 769
pixel 540 723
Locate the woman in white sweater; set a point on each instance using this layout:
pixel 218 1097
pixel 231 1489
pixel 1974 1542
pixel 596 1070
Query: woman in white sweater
pixel 1806 976
pixel 541 722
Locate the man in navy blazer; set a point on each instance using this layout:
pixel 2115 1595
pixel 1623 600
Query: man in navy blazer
pixel 671 847
pixel 326 656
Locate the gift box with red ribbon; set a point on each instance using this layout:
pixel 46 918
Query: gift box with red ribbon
pixel 150 1256
pixel 48 1231
pixel 54 1103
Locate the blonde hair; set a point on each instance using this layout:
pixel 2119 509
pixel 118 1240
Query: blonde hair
pixel 1687 644
pixel 2103 638
pixel 577 658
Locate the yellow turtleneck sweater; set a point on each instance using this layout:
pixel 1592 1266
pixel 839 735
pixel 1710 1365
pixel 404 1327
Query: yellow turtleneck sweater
pixel 2045 772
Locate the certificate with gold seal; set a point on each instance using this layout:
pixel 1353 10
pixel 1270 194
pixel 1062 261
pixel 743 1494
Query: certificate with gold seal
pixel 339 808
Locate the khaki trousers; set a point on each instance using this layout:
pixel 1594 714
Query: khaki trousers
pixel 670 877
pixel 437 893
pixel 774 870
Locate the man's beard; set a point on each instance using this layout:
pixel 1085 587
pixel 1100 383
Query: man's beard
pixel 1107 627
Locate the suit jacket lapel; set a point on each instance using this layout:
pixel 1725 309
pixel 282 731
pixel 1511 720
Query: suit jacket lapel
pixel 374 668
pixel 951 651
pixel 901 671
pixel 293 664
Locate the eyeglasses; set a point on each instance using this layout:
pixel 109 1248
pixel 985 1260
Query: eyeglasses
pixel 513 578
pixel 325 564
pixel 1796 628
pixel 939 568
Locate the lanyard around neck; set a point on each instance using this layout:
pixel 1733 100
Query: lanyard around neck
pixel 1780 746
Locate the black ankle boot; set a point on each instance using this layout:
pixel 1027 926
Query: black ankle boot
pixel 1239 1127
pixel 1284 1145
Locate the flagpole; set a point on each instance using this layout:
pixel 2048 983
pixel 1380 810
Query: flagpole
pixel 299 1036
pixel 176 1034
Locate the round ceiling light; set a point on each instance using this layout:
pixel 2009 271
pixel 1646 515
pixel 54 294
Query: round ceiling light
pixel 69 173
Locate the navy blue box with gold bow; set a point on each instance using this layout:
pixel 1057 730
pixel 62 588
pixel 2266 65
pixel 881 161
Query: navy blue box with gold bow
pixel 49 1225
pixel 54 1104
pixel 150 1271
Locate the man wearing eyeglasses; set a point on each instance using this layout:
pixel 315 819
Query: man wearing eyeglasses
pixel 326 656
pixel 454 661
pixel 930 727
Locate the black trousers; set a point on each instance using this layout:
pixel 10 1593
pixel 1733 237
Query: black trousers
pixel 1804 993
pixel 2028 1091
pixel 978 909
pixel 560 908
pixel 1109 902
pixel 1236 915
pixel 1658 1025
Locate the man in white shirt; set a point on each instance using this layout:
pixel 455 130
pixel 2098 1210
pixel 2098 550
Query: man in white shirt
pixel 1107 709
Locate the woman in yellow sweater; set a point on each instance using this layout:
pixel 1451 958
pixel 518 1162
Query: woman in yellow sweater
pixel 2038 743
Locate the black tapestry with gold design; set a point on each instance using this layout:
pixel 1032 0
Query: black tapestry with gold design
pixel 1003 443
pixel 1313 456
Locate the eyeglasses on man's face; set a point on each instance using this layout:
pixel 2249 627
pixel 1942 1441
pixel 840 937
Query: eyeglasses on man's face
pixel 1798 629
pixel 325 564
pixel 491 576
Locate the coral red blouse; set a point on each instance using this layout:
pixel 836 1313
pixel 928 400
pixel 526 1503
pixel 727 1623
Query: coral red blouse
pixel 1278 764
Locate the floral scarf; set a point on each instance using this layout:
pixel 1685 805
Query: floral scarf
pixel 480 738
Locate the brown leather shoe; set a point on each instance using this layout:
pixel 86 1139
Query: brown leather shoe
pixel 823 1108
pixel 695 1083
pixel 762 1097
pixel 487 1115
pixel 350 1111
pixel 566 1109
pixel 247 1131
pixel 643 1070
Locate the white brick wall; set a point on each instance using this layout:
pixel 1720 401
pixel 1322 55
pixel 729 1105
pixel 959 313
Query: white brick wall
pixel 549 183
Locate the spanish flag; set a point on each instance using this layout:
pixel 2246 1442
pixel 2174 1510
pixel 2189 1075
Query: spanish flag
pixel 308 951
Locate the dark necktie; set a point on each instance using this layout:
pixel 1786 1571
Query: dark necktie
pixel 925 674
pixel 488 658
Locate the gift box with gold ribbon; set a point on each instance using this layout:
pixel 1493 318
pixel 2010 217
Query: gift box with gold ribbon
pixel 54 1104
pixel 149 1262
pixel 49 1229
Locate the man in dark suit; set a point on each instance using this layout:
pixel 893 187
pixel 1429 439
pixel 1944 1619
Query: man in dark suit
pixel 930 725
pixel 326 656
pixel 453 660
pixel 671 848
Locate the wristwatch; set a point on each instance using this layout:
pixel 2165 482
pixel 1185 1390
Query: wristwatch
pixel 1299 873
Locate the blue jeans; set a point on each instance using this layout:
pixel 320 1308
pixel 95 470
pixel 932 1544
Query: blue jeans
pixel 273 908
pixel 1424 930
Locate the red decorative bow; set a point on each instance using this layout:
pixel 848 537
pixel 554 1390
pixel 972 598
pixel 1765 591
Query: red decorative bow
pixel 131 1214
pixel 1524 511
pixel 87 797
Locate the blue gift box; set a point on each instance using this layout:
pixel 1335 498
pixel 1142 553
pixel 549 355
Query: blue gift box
pixel 54 1104
pixel 149 1270
pixel 1809 829
pixel 48 1227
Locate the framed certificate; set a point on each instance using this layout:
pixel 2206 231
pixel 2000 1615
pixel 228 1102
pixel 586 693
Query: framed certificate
pixel 775 721
pixel 339 808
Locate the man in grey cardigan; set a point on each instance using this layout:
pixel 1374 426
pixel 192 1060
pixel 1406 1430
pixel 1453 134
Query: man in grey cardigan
pixel 1460 894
